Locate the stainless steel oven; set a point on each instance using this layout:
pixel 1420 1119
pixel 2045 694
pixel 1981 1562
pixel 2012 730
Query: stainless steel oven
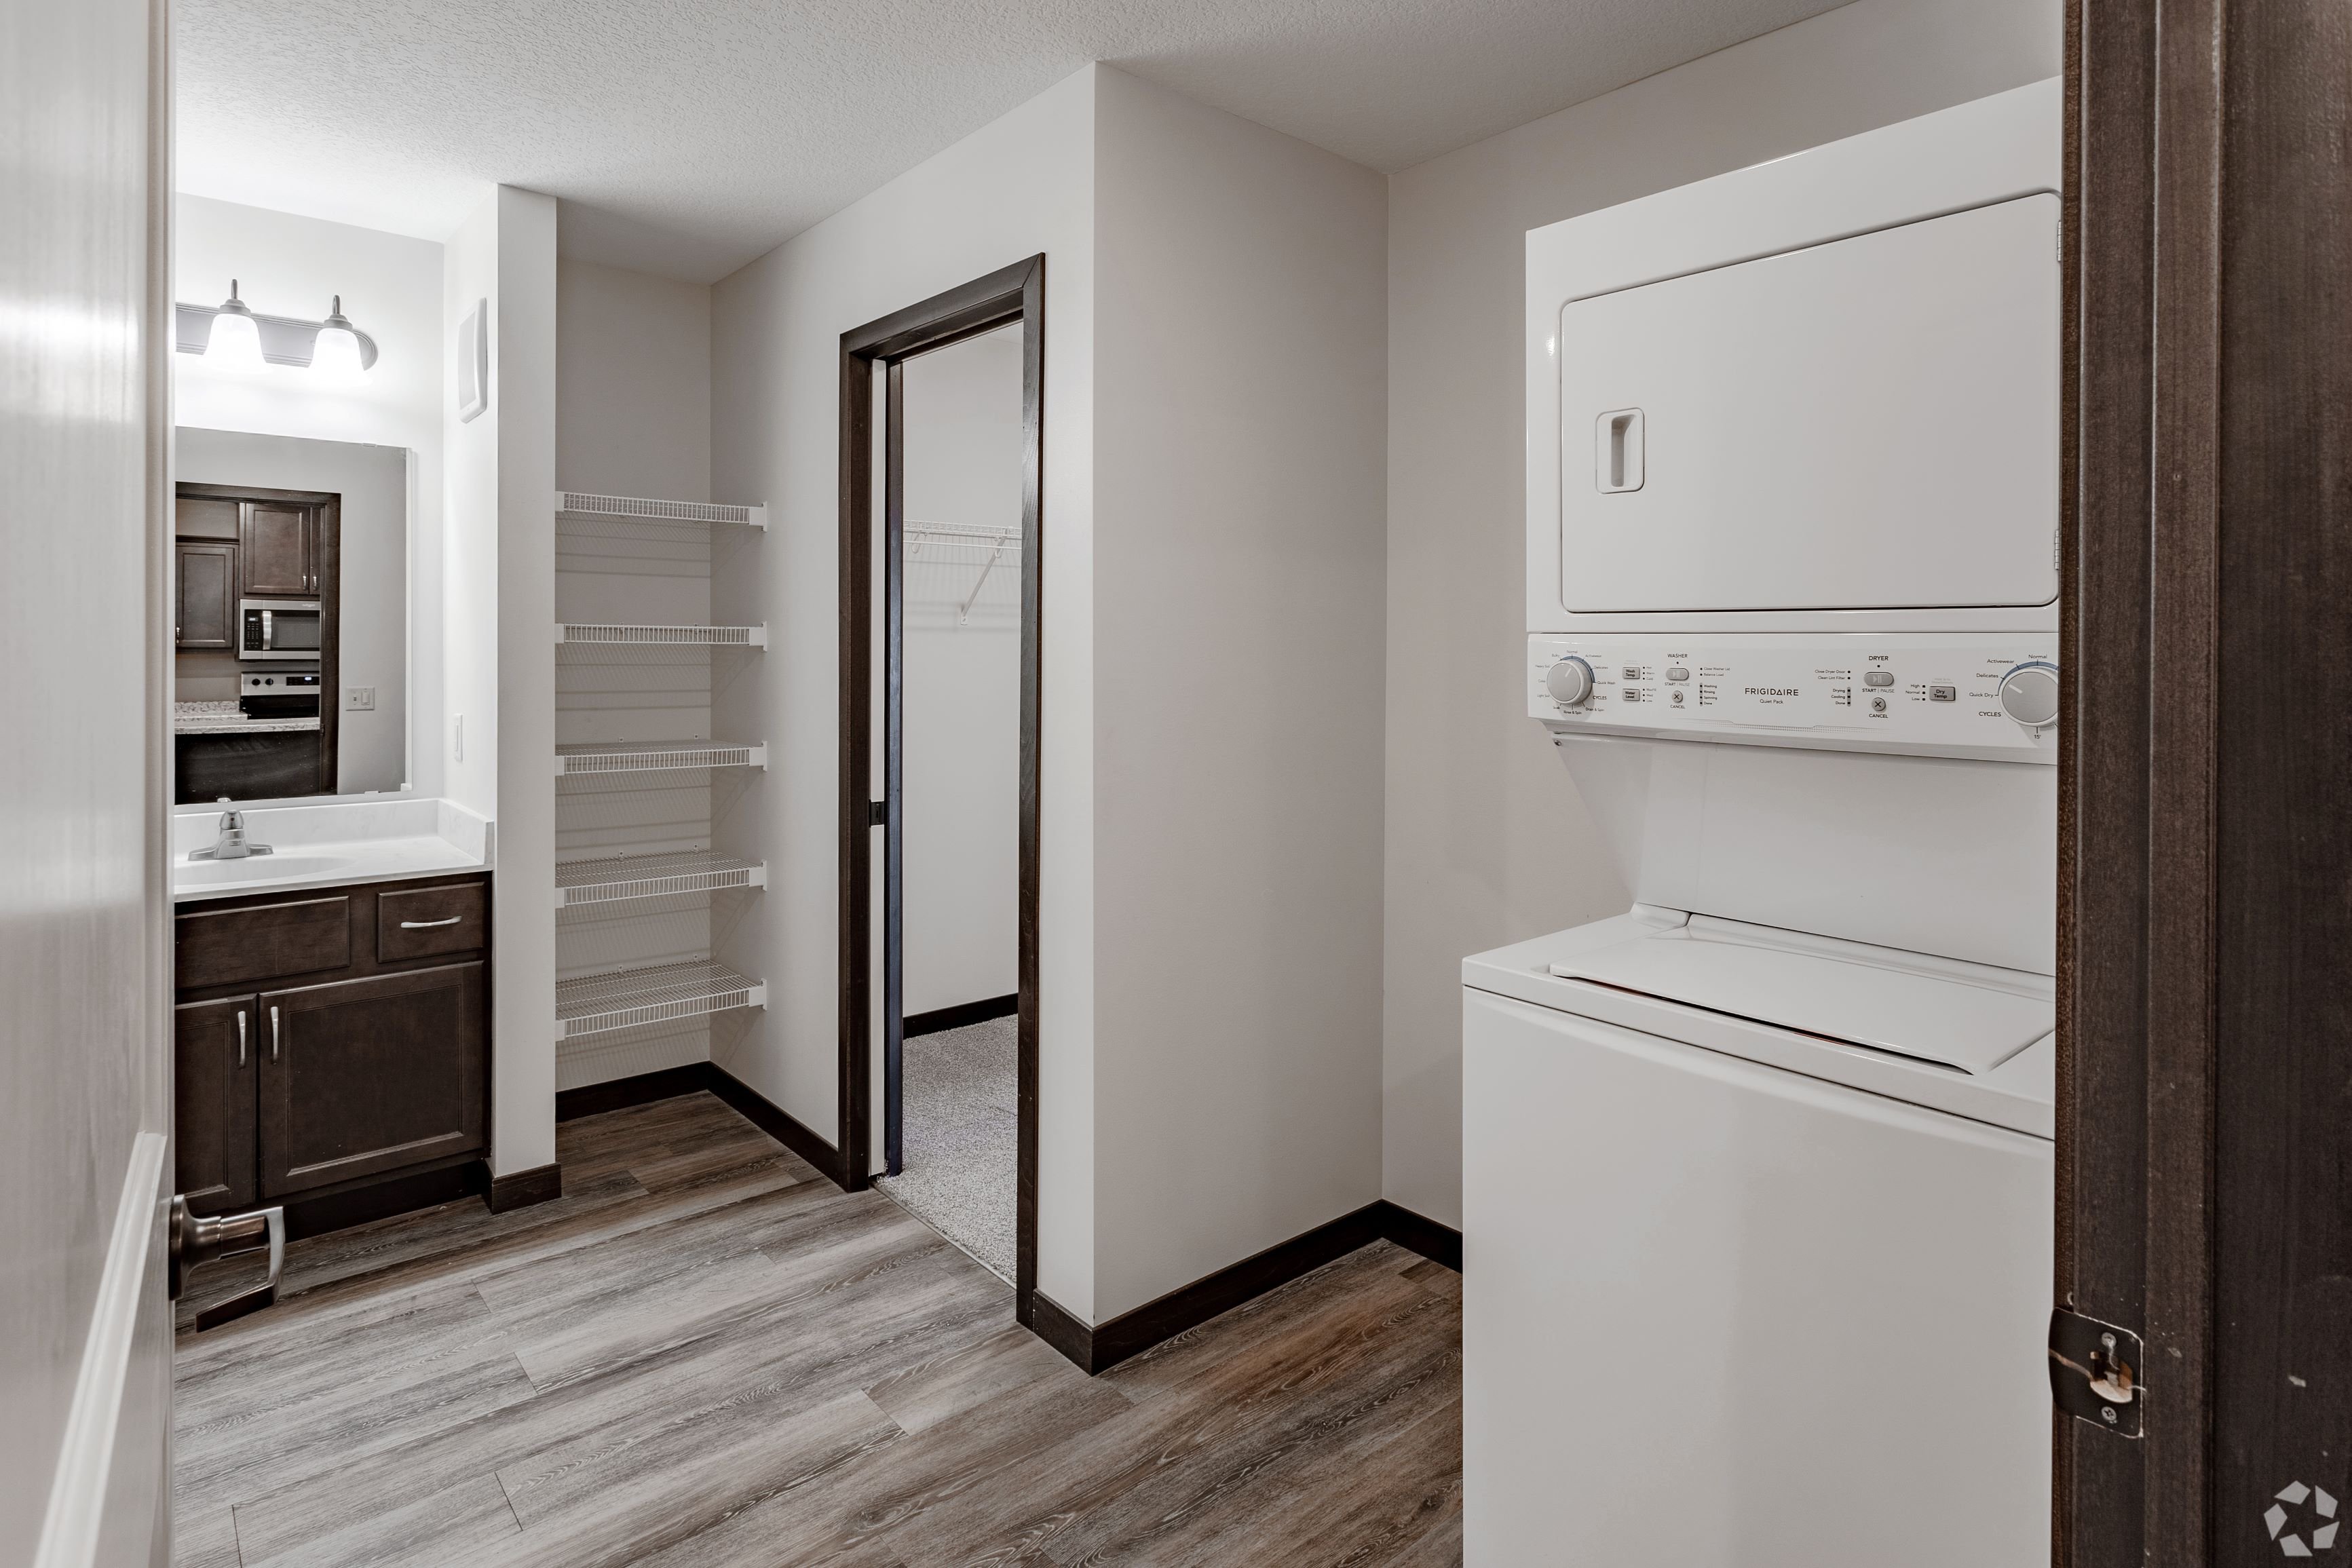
pixel 277 629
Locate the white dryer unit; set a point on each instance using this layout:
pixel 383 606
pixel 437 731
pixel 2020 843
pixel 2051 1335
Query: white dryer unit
pixel 1756 1181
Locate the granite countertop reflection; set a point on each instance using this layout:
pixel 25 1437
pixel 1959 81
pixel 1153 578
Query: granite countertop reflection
pixel 224 718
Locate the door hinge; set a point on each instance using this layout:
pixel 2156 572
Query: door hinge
pixel 878 813
pixel 2095 1372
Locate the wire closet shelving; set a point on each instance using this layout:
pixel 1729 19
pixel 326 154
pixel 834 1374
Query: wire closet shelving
pixel 638 997
pixel 664 993
pixel 618 878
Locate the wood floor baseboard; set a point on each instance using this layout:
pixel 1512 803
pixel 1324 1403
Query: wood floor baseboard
pixel 960 1015
pixel 620 1093
pixel 1419 1233
pixel 1104 1345
pixel 521 1189
pixel 700 1077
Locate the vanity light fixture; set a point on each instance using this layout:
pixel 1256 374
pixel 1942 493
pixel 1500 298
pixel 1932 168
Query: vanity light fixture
pixel 335 353
pixel 233 335
pixel 235 341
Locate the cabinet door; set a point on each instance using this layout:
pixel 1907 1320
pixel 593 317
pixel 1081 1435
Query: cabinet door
pixel 280 546
pixel 215 1075
pixel 206 613
pixel 363 1076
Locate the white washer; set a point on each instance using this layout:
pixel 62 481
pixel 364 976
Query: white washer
pixel 1735 1294
pixel 1758 1176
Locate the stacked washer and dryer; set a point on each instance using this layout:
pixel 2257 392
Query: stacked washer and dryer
pixel 1757 1175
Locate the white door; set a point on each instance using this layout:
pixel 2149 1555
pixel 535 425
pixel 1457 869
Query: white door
pixel 1870 423
pixel 1721 1315
pixel 85 1072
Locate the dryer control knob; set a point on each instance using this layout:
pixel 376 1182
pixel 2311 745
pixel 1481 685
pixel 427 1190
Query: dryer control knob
pixel 2029 693
pixel 1569 682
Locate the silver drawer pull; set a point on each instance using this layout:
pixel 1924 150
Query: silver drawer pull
pixel 273 1034
pixel 429 924
pixel 240 1037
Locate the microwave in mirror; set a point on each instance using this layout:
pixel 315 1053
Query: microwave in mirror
pixel 278 629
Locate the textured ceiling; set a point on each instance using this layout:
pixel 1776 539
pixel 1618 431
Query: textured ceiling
pixel 688 137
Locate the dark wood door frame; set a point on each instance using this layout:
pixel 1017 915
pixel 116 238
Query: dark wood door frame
pixel 327 514
pixel 1015 293
pixel 2205 1108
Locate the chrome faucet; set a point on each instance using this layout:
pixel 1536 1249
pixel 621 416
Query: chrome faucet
pixel 231 844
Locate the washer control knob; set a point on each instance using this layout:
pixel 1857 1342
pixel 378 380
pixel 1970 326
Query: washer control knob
pixel 2029 693
pixel 1569 682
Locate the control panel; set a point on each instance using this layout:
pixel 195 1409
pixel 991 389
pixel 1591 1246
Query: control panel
pixel 1992 696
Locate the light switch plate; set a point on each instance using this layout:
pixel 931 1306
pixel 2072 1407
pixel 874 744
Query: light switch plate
pixel 359 699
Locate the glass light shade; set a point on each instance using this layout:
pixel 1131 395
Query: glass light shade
pixel 236 341
pixel 335 359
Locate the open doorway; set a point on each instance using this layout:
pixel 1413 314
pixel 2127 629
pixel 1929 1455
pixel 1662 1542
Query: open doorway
pixel 951 879
pixel 941 446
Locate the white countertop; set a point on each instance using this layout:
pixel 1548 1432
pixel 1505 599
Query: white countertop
pixel 225 718
pixel 330 843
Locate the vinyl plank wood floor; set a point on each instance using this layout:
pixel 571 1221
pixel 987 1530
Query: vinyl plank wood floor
pixel 703 1355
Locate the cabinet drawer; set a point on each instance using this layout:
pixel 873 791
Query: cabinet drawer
pixel 419 923
pixel 223 946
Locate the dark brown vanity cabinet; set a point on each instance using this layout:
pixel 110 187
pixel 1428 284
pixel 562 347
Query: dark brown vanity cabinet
pixel 311 1062
pixel 213 1101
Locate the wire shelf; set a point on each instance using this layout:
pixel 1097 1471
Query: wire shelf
pixel 622 877
pixel 645 509
pixel 631 999
pixel 577 632
pixel 924 539
pixel 654 757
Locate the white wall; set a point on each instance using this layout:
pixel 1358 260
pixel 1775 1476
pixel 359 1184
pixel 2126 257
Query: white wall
pixel 962 784
pixel 1486 841
pixel 391 287
pixel 633 418
pixel 1209 917
pixel 500 603
pixel 373 586
pixel 1020 185
pixel 1240 345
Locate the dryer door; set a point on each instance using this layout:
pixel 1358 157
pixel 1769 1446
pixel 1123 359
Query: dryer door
pixel 1867 424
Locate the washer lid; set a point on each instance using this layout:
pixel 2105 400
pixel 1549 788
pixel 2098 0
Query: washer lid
pixel 1821 987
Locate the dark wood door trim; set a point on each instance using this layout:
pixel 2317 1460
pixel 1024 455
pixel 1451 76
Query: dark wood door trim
pixel 2206 827
pixel 1015 293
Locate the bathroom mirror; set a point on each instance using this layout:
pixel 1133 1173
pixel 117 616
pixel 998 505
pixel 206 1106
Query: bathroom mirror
pixel 290 616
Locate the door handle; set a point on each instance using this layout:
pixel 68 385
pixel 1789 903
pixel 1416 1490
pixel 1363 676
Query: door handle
pixel 196 1239
pixel 240 1039
pixel 429 924
pixel 273 1034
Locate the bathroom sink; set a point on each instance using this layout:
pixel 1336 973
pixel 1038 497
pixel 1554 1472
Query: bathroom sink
pixel 255 869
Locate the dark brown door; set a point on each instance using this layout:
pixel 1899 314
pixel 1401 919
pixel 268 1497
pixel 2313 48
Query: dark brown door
pixel 213 1078
pixel 362 1076
pixel 2205 1109
pixel 207 615
pixel 280 548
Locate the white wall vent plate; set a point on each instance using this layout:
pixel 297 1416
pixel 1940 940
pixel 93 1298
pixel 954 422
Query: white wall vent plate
pixel 1866 424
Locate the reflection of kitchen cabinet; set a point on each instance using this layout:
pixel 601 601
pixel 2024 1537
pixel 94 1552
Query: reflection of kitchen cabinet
pixel 206 615
pixel 351 1067
pixel 266 766
pixel 280 546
